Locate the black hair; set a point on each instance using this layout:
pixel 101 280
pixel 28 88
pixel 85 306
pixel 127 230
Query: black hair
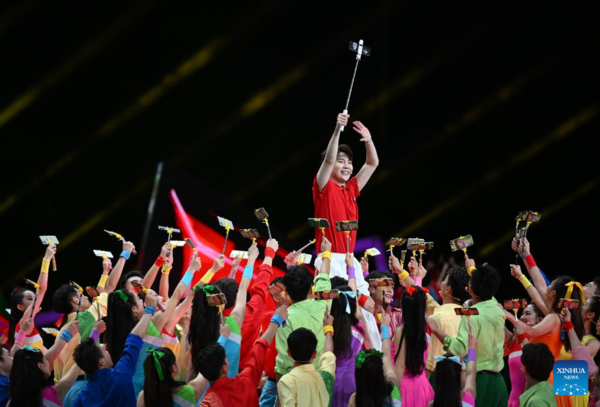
pixel 27 381
pixel 538 360
pixel 458 279
pixel 559 285
pixel 298 282
pixel 16 314
pixel 343 323
pixel 205 325
pixel 158 392
pixel 375 275
pixel 536 310
pixel 127 276
pixel 413 317
pixel 372 390
pixel 302 343
pixel 485 281
pixel 119 323
pixel 338 281
pixel 230 288
pixel 447 383
pixel 62 299
pixel 342 148
pixel 276 280
pixel 210 361
pixel 87 355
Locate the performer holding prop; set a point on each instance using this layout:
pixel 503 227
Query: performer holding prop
pixel 335 190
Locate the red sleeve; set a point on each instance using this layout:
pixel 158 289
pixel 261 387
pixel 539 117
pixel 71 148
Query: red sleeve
pixel 353 186
pixel 253 369
pixel 316 190
pixel 270 362
pixel 254 311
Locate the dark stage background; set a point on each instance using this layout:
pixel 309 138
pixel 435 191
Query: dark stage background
pixel 478 109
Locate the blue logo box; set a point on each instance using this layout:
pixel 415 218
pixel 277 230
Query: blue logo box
pixel 570 378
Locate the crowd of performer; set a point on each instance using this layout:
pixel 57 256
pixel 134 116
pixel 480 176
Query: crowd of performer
pixel 219 343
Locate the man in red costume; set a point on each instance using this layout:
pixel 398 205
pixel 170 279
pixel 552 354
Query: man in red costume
pixel 335 192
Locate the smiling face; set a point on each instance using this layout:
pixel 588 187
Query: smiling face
pixel 379 294
pixel 342 170
pixel 529 316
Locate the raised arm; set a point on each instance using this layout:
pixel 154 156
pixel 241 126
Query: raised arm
pixel 150 276
pixel 160 319
pixel 394 265
pixel 66 382
pixel 106 267
pixel 276 321
pixel 71 329
pixel 239 310
pixel 388 366
pixel 326 258
pixel 331 154
pixel 549 324
pixel 115 276
pixel 471 379
pixel 141 328
pixel 328 322
pixel 524 249
pixel 42 283
pixel 531 290
pixel 163 286
pixel 372 161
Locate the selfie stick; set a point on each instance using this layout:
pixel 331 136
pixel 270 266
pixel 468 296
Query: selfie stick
pixel 359 49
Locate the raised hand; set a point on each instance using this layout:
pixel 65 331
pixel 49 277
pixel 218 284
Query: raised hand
pixel 394 264
pixel 235 264
pixel 515 271
pixel 166 248
pixel 106 264
pixel 349 260
pixel 342 119
pixel 469 262
pixel 273 244
pixel 50 251
pixel 100 326
pixel 218 264
pixel 292 258
pixel 362 130
pixel 327 319
pixel 195 264
pixel 72 327
pixel 421 272
pixel 525 247
pixel 325 245
pixel 253 251
pixel 282 312
pixel 129 247
pixel 364 264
